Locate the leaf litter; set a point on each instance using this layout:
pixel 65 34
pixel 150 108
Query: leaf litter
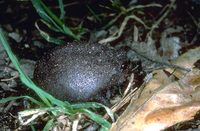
pixel 164 102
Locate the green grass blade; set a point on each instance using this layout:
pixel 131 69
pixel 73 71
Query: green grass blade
pixel 93 105
pixel 93 13
pixel 62 11
pixel 79 30
pixel 41 8
pixel 111 22
pixel 25 79
pixel 28 82
pixel 52 40
pixel 69 33
pixel 104 123
pixel 49 25
pixel 32 127
pixel 51 14
pixel 43 14
pixel 103 129
pixel 48 125
pixel 20 97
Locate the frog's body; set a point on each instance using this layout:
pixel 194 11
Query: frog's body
pixel 80 72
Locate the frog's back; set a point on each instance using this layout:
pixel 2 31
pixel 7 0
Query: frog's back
pixel 79 71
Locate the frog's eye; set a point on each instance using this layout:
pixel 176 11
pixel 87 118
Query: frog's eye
pixel 125 65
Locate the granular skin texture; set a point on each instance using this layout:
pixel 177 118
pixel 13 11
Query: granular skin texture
pixel 80 71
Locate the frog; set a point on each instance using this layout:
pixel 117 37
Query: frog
pixel 81 71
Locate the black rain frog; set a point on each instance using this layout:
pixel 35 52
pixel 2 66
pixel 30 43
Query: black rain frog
pixel 81 72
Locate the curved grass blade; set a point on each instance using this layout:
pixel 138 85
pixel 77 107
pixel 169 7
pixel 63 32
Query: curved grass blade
pixel 43 14
pixel 48 125
pixel 52 40
pixel 50 26
pixel 20 97
pixel 93 105
pixel 28 82
pixel 104 123
pixel 46 35
pixel 23 76
pixel 41 8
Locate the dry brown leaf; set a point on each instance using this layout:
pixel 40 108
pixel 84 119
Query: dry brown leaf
pixel 164 103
